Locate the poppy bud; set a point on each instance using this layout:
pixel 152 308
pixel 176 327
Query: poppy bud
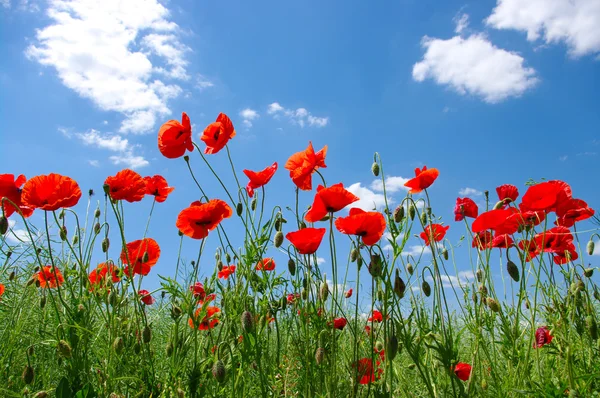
pixel 378 345
pixel 186 158
pixel 12 276
pixel 375 169
pixel 3 225
pixel 118 345
pixel 8 254
pixel 97 213
pixel 146 334
pixel 41 394
pixel 105 245
pixel 484 385
pixel 145 257
pixel 227 257
pixel 424 218
pixel 253 204
pixel 590 247
pixel 63 233
pixel 304 294
pixel 474 297
pixel 479 275
pixel 218 371
pixel 292 267
pixel 486 194
pixel 483 290
pixel 326 218
pixel 137 347
pixel 499 205
pixel 375 266
pixel 410 268
pixel 527 303
pixel 302 225
pixel 588 272
pixel 399 285
pixel 283 303
pixel 37 283
pixel 175 312
pixel 512 270
pixel 278 240
pixel 592 326
pixel 359 262
pixel 247 321
pixel 61 215
pixel 399 214
pixel 220 265
pixel 42 302
pixel 324 289
pixel 320 355
pixel 28 375
pixel 169 349
pixel 353 254
pixel 277 223
pixel 412 211
pixel 112 298
pixel 426 288
pixel 445 254
pixel 239 208
pixel 180 393
pixel 493 304
pixel 392 347
pixel 97 228
pixel 64 349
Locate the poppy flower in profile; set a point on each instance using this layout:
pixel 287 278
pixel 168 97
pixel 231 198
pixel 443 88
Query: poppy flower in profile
pixel 423 179
pixel 200 218
pixel 50 192
pixel 218 134
pixel 198 291
pixel 209 321
pixel 558 241
pixel 542 337
pixel 462 371
pixel 329 200
pixel 303 164
pixel 157 186
pixel 146 297
pixel 364 371
pixel 435 231
pixel 340 323
pixel 226 272
pixel 571 211
pixel 503 241
pixel 507 193
pixel 141 255
pixel 2 289
pixel 368 225
pixel 493 219
pixel 465 207
pixel 376 317
pixel 104 272
pixel 259 178
pixel 545 196
pixel 175 138
pixel 126 185
pixel 10 188
pixel 482 240
pixel 266 264
pixel 348 293
pixel 306 240
pixel 50 277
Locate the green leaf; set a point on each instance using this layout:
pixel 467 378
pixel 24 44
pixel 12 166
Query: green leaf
pixel 86 392
pixel 63 390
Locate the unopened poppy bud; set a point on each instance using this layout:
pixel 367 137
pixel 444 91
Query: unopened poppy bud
pixel 61 215
pixel 169 349
pixel 423 218
pixel 483 290
pixel 97 228
pixel 218 371
pixel 512 270
pixel 118 345
pixel 426 288
pixel 227 257
pixel 375 266
pixel 304 294
pixel 247 321
pixel 220 265
pixel 484 385
pixel 64 349
pixel 146 334
pixel 175 312
pixel 277 224
pixel 137 347
pixel 63 233
pixel 112 298
pixel 8 254
pixel 412 211
pixel 105 245
pixel 292 267
pixel 590 247
pixel 410 269
pixel 12 276
pixel 445 254
pixel 392 347
pixel 493 304
pixel 302 225
pixel 42 302
pixel 97 213
pixel 399 285
pixel 319 355
pixel 278 240
pixel 324 289
pixel 399 214
pixel 283 304
pixel 239 208
pixel 486 194
pixel 479 275
pixel 28 375
pixel 588 272
pixel 359 262
pixel 37 283
pixel 253 204
pixel 592 326
pixel 41 394
pixel 474 298
pixel 353 254
pixel 375 169
pixel 3 225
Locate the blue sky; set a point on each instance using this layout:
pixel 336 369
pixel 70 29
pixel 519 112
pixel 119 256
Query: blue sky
pixel 489 92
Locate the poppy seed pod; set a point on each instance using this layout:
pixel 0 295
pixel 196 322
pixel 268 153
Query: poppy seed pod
pixel 590 247
pixel 392 347
pixel 493 304
pixel 292 267
pixel 399 214
pixel 218 371
pixel 375 169
pixel 239 208
pixel 319 355
pixel 118 345
pixel 353 254
pixel 426 288
pixel 399 285
pixel 3 225
pixel 247 321
pixel 146 334
pixel 105 245
pixel 512 270
pixel 64 349
pixel 588 272
pixel 412 211
pixel 278 240
pixel 28 375
pixel 324 289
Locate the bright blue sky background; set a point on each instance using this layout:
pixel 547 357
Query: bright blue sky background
pixel 486 101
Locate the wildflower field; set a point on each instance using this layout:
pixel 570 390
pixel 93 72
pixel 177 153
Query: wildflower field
pixel 260 316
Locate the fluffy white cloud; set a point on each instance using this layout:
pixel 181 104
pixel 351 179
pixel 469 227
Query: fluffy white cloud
pixel 129 160
pixel 248 115
pixel 416 251
pixel 462 278
pixel 103 141
pixel 469 192
pixel 94 163
pixel 369 200
pixel 92 46
pixel 392 184
pixel 320 260
pixel 300 116
pixel 573 22
pixel 474 66
pixel 16 235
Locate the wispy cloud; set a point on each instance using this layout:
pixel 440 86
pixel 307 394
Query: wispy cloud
pixel 249 115
pixel 301 116
pixel 469 192
pixel 463 277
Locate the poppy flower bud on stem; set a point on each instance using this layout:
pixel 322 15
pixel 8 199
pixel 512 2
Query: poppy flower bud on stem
pixel 590 247
pixel 97 213
pixel 512 270
pixel 426 288
pixel 412 211
pixel 479 275
pixel 97 228
pixel 278 240
pixel 12 276
pixel 399 285
pixel 63 233
pixel 292 267
pixel 375 266
pixel 399 214
pixel 304 294
pixel 410 269
pixel 588 272
pixel 392 347
pixel 247 321
pixel 320 355
pixel 493 304
pixel 28 375
pixel 42 302
pixel 175 312
pixel 3 225
pixel 592 326
pixel 423 218
pixel 64 349
pixel 324 289
pixel 75 239
pixel 499 205
pixel 445 253
pixel 105 245
pixel 239 208
pixel 353 254
pixel 218 371
pixel 118 345
pixel 146 334
pixel 253 204
pixel 375 169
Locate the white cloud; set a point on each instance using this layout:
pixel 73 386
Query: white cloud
pixel 462 22
pixel 320 260
pixel 203 83
pixel 392 184
pixel 19 235
pixel 129 160
pixel 368 199
pixel 462 278
pixel 94 163
pixel 573 22
pixel 416 250
pixel 92 46
pixel 474 66
pixel 469 192
pixel 563 158
pixel 249 115
pixel 103 141
pixel 5 3
pixel 300 116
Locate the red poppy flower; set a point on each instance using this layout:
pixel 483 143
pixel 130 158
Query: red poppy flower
pixel 102 273
pixel 198 291
pixel 292 297
pixel 266 264
pixel 329 200
pixel 376 317
pixel 423 179
pixel 126 185
pixel 364 371
pixel 303 164
pixel 50 277
pixel 368 330
pixel 465 207
pixel 217 134
pixel 259 178
pixel 348 294
pixel 146 297
pixel 462 371
pixel 503 241
pixel 546 196
pixel 200 218
pixel 520 220
pixel 2 289
pixel 157 186
pixel 209 321
pixel 340 323
pixel 571 211
pixel 306 240
pixel 437 231
pixel 559 241
pixel 530 248
pixel 11 190
pixel 368 225
pixel 507 193
pixel 174 137
pixel 226 272
pixel 381 355
pixel 493 219
pixel 142 255
pixel 50 192
pixel 542 337
pixel 482 240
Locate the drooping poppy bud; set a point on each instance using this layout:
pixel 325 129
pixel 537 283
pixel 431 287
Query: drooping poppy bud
pixel 253 204
pixel 12 276
pixel 375 266
pixel 63 233
pixel 97 228
pixel 479 275
pixel 247 321
pixel 175 312
pixel 588 272
pixel 137 347
pixel 3 225
pixel 320 355
pixel 292 267
pixel 410 268
pixel 146 334
pixel 445 254
pixel 75 239
pixel 105 245
pixel 304 294
pixel 493 304
pixel 590 247
pixel 426 288
pixel 239 208
pixel 97 213
pixel 218 371
pixel 118 345
pixel 399 214
pixel 324 289
pixel 399 285
pixel 28 374
pixel 278 240
pixel 512 270
pixel 392 347
pixel 424 218
pixel 64 349
pixel 412 211
pixel 375 169
pixel 42 302
pixel 353 254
